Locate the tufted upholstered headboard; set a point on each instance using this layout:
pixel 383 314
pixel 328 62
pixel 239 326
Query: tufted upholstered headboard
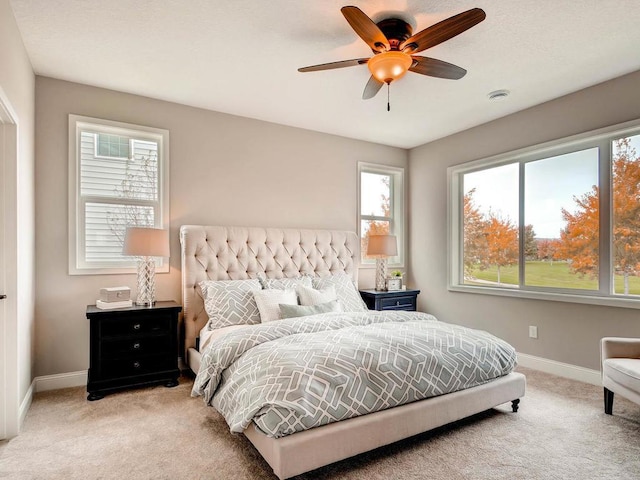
pixel 235 253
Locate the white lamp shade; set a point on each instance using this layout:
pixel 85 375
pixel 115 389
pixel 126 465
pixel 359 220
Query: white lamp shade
pixel 382 245
pixel 146 242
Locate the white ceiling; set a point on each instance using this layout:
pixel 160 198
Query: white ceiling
pixel 241 57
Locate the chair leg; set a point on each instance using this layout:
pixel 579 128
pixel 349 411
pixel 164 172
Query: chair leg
pixel 608 401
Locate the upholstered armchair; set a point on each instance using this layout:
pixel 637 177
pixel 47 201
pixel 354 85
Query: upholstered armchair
pixel 620 369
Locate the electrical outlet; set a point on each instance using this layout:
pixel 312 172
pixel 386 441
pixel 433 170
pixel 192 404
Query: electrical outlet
pixel 533 331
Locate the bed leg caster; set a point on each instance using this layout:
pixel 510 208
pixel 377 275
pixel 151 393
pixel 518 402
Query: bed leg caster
pixel 514 405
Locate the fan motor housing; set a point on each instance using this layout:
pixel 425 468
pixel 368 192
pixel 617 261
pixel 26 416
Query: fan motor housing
pixel 396 30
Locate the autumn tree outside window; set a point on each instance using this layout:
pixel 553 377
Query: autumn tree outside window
pixel 558 221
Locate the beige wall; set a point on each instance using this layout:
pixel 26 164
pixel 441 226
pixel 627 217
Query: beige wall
pixel 567 332
pixel 17 88
pixel 225 170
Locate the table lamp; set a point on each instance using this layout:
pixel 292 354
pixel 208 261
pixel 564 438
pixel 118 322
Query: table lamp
pixel 381 247
pixel 146 243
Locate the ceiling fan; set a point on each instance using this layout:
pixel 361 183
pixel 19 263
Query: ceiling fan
pixel 394 46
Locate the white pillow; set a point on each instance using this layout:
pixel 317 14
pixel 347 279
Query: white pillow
pixel 230 302
pixel 269 301
pixel 290 311
pixel 311 296
pixel 346 291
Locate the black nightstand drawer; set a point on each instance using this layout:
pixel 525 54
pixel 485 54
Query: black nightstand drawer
pixel 144 345
pixel 136 326
pixel 126 367
pixel 398 303
pixel 390 300
pixel 132 347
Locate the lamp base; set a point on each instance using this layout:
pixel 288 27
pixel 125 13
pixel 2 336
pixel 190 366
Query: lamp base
pixel 381 274
pixel 146 282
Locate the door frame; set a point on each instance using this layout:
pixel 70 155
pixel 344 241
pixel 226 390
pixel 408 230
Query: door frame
pixel 9 388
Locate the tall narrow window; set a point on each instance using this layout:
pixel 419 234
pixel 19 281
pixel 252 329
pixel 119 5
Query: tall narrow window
pixel 381 206
pixel 118 178
pixel 562 221
pixel 626 214
pixel 490 225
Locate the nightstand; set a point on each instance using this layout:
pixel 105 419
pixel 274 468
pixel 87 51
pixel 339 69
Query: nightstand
pixel 391 300
pixel 132 347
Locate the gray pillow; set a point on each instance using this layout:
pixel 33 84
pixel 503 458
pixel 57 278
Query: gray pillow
pixel 230 302
pixel 283 283
pixel 346 291
pixel 290 311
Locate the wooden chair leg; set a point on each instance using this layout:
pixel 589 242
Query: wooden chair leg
pixel 608 401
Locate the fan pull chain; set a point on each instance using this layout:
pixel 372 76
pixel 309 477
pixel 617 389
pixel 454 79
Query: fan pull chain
pixel 388 101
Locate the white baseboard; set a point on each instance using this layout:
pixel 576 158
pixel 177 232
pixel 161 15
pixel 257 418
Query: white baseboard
pixel 79 379
pixel 61 380
pixel 566 370
pixel 24 405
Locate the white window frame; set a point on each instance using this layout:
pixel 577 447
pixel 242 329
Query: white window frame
pixel 601 139
pixel 396 221
pixel 77 263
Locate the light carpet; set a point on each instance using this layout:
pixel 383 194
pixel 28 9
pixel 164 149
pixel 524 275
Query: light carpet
pixel 560 432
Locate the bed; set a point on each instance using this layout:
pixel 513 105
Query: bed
pixel 243 253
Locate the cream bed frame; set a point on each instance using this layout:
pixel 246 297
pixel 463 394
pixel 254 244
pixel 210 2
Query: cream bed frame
pixel 234 253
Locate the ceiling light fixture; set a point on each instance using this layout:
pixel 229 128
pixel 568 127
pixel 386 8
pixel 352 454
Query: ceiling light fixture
pixel 389 66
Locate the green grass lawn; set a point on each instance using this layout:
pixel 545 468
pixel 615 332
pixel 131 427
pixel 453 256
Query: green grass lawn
pixel 548 274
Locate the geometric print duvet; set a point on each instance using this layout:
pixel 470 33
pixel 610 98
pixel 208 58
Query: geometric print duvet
pixel 296 374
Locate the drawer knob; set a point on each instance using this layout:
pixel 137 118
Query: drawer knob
pixel 136 326
pixel 136 346
pixel 136 364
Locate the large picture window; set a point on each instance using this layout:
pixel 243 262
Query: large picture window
pixel 557 221
pixel 381 207
pixel 117 178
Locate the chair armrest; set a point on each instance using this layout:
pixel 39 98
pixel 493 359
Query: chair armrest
pixel 618 347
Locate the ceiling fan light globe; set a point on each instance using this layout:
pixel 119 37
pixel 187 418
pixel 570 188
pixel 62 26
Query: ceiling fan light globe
pixel 389 66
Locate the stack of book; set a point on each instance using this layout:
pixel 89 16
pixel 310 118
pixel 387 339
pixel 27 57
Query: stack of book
pixel 114 297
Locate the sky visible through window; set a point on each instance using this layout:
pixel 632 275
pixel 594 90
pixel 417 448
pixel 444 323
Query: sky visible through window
pixel 550 185
pixel 372 189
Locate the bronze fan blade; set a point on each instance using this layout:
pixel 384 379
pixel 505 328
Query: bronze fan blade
pixel 436 68
pixel 372 87
pixel 332 65
pixel 366 29
pixel 442 31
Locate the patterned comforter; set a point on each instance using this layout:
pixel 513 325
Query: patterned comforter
pixel 295 374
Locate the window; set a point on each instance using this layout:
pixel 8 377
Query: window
pixel 556 221
pixel 381 207
pixel 118 177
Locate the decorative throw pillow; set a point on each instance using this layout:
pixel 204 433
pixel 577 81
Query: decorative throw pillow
pixel 230 302
pixel 346 291
pixel 290 311
pixel 310 296
pixel 283 283
pixel 269 302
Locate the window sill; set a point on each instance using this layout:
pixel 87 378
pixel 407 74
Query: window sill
pixel 550 296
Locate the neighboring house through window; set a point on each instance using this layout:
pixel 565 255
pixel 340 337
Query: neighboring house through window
pixel 118 177
pixel 381 207
pixel 555 221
